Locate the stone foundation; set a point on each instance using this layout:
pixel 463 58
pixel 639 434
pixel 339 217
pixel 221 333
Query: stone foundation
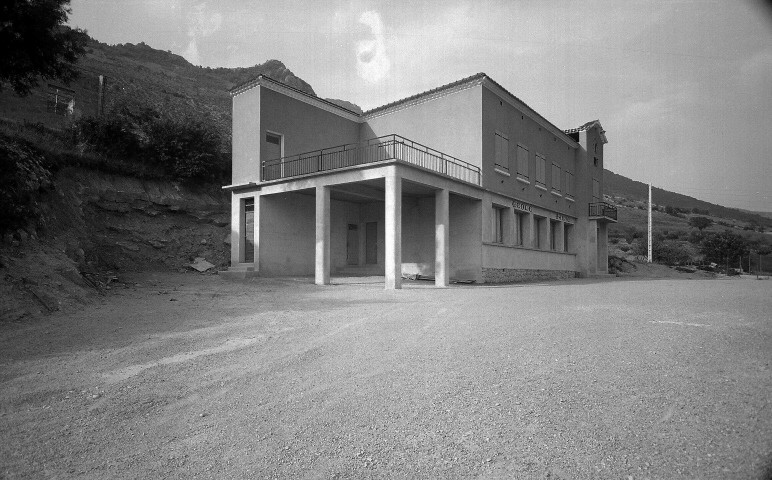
pixel 513 275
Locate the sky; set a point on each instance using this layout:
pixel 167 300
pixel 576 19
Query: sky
pixel 682 88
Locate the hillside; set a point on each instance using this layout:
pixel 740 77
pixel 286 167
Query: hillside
pixel 141 75
pixel 633 191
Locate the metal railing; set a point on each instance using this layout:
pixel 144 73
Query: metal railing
pixel 389 147
pixel 603 209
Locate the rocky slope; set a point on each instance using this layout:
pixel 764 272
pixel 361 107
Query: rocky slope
pixel 94 227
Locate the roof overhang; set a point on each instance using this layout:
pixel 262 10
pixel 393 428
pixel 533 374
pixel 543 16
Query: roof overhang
pixel 279 87
pixel 589 125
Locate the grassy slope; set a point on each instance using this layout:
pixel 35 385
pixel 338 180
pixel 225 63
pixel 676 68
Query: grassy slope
pixel 634 191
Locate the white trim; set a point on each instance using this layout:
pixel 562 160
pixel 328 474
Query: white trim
pixel 570 199
pixel 281 150
pixel 500 169
pixel 525 109
pixel 540 187
pixel 239 186
pixel 421 99
pixel 522 180
pixel 280 135
pixel 556 193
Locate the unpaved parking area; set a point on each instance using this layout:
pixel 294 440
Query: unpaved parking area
pixel 190 376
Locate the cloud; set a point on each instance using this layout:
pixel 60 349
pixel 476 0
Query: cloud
pixel 372 62
pixel 202 22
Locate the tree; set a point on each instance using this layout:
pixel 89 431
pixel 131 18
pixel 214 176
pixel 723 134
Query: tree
pixel 720 247
pixel 37 44
pixel 700 223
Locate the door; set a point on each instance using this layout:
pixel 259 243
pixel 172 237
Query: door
pixel 273 151
pixel 352 245
pixel 371 243
pixel 249 230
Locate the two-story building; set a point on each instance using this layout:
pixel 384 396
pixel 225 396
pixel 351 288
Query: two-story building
pixel 462 182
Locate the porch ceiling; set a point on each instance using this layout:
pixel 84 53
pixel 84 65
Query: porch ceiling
pixel 367 191
pixel 373 190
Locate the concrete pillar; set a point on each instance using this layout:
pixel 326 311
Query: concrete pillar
pixel 602 247
pixel 237 226
pixel 559 245
pixel 529 236
pixel 441 238
pixel 592 247
pixel 322 260
pixel 393 231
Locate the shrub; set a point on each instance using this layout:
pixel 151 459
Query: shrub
pixel 718 247
pixel 619 265
pixel 180 148
pixel 668 252
pixel 24 175
pixel 188 151
pixel 671 253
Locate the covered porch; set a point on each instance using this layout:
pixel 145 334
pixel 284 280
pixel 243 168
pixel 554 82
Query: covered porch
pixel 388 220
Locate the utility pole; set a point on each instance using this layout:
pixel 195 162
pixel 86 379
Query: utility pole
pixel 650 253
pixel 101 96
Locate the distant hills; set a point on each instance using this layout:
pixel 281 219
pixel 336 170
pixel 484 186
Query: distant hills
pixel 618 186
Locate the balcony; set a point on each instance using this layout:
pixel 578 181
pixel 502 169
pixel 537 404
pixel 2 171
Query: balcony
pixel 603 211
pixel 388 148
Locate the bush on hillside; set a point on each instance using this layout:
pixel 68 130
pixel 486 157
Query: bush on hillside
pixel 188 151
pixel 184 149
pixel 720 247
pixel 668 252
pixel 24 175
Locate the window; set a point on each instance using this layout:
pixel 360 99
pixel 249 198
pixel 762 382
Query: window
pixel 595 190
pixel 553 235
pixel 497 227
pixel 569 179
pixel 522 161
pixel 555 177
pixel 567 227
pixel 540 231
pixel 541 170
pixel 273 146
pixel 519 228
pixel 502 151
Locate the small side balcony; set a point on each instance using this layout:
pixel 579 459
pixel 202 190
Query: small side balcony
pixel 603 212
pixel 389 148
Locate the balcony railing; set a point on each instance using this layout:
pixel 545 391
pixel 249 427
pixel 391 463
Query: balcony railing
pixel 603 210
pixel 381 149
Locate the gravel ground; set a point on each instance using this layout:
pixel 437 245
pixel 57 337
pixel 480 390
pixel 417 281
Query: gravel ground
pixel 187 376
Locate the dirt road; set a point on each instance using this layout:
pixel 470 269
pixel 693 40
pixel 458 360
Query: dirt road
pixel 190 376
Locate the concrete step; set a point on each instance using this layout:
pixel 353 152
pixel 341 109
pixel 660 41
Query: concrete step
pixel 359 271
pixel 601 275
pixel 238 272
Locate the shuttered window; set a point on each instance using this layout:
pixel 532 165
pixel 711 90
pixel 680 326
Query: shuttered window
pixel 541 169
pixel 522 161
pixel 502 151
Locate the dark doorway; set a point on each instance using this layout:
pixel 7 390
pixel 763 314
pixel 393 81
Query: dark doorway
pixel 371 243
pixel 249 230
pixel 352 245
